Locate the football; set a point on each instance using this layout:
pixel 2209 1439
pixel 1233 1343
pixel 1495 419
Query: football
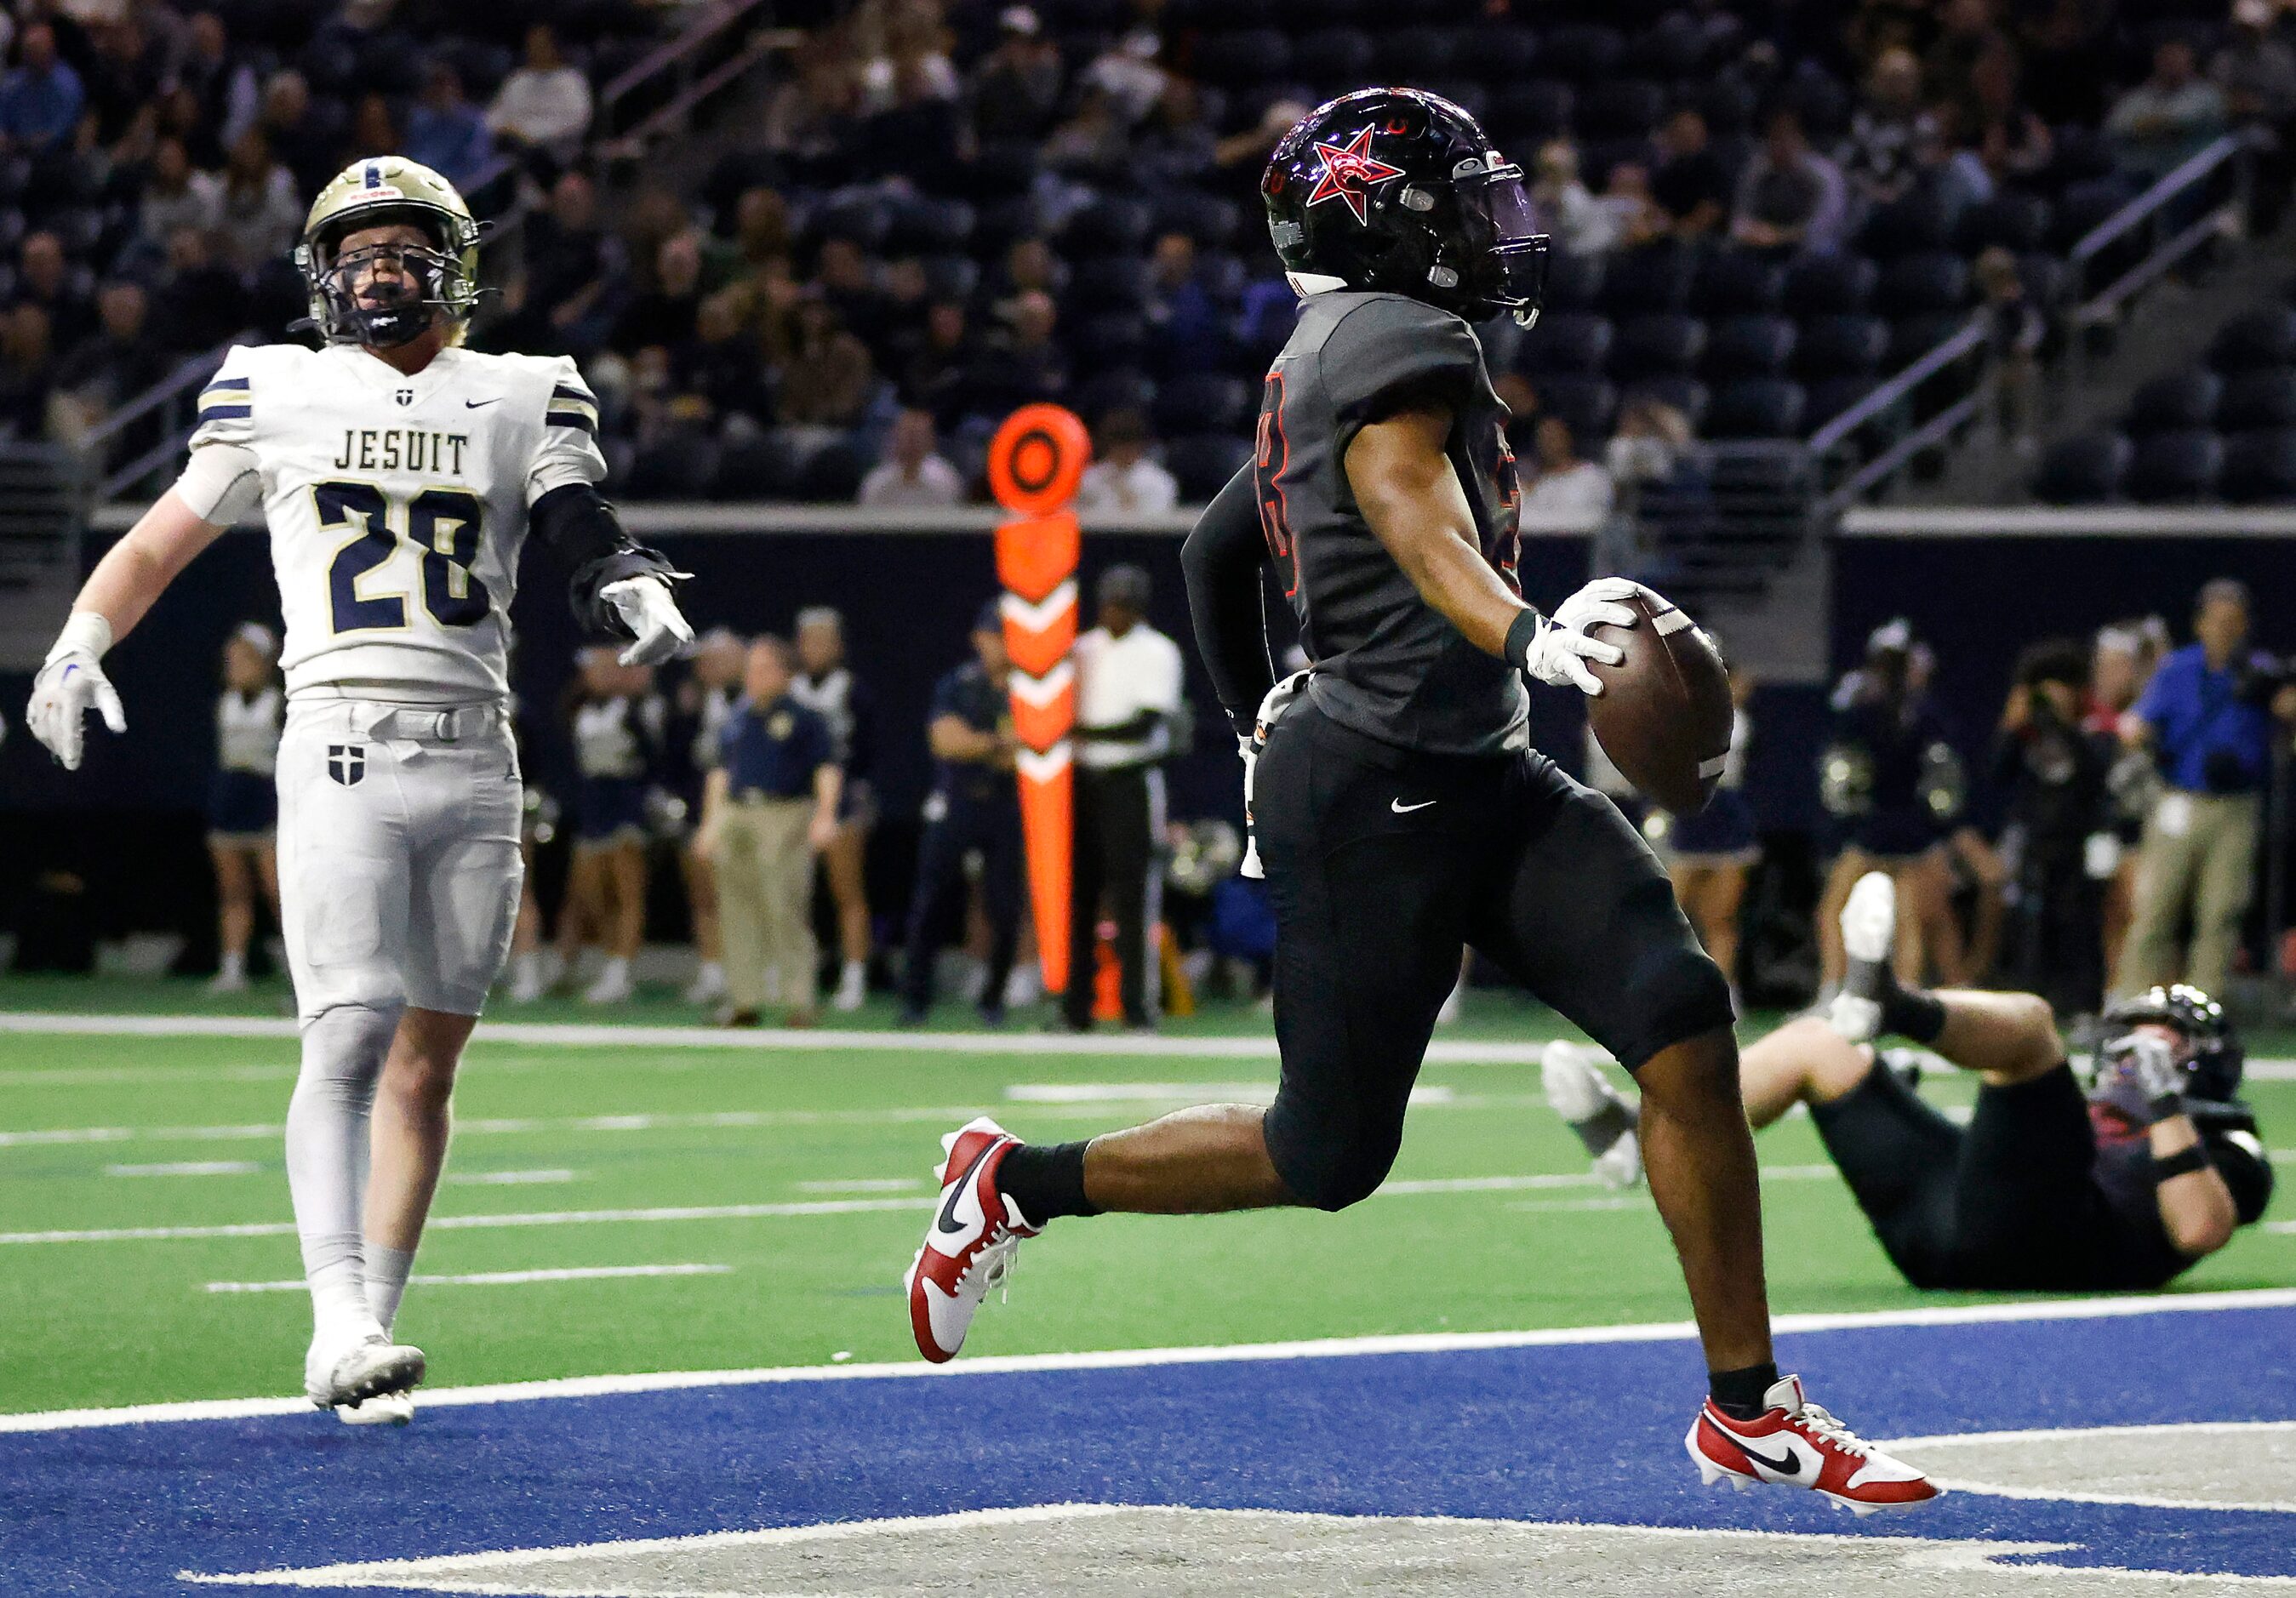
pixel 1663 716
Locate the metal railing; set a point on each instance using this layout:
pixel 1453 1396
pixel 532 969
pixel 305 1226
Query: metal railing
pixel 173 401
pixel 2158 213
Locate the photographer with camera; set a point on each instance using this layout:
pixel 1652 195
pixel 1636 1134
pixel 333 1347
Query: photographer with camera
pixel 2052 770
pixel 2208 717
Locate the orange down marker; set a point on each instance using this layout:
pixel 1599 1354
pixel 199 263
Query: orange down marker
pixel 1034 463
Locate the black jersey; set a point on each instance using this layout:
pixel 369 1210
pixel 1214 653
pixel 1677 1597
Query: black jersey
pixel 1387 664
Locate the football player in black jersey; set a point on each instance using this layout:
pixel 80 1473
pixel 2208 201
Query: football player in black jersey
pixel 1399 810
pixel 2045 1190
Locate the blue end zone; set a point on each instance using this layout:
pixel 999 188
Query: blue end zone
pixel 1590 1432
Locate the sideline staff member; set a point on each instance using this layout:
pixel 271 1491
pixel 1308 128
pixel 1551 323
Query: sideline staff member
pixel 770 804
pixel 975 806
pixel 1127 696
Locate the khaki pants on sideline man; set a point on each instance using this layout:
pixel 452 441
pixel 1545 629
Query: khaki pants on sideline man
pixel 2198 859
pixel 765 892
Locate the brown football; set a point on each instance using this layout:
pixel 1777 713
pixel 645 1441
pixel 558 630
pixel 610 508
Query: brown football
pixel 1663 716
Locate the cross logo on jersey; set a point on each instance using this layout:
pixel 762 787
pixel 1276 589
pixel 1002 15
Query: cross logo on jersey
pixel 404 396
pixel 346 763
pixel 1349 172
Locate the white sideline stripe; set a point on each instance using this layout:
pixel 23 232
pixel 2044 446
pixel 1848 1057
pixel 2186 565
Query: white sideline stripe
pixel 2098 1434
pixel 509 1179
pixel 187 1167
pixel 1124 1359
pixel 466 1572
pixel 891 1115
pixel 1106 1092
pixel 588 1272
pixel 781 1211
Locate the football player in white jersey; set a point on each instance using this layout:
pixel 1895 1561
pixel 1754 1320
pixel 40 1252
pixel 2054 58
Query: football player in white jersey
pixel 399 474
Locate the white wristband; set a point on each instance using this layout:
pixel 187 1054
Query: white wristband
pixel 87 632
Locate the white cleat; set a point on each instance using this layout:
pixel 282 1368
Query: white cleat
pixel 708 984
pixel 613 986
pixel 1869 926
pixel 1604 1119
pixel 969 1242
pixel 384 1409
pixel 361 1364
pixel 852 988
pixel 227 982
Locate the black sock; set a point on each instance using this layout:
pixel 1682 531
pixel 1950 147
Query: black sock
pixel 1916 1013
pixel 1044 1180
pixel 1738 1394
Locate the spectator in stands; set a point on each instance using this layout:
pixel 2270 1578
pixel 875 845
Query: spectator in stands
pixel 1174 150
pixel 810 119
pixel 974 807
pixel 205 303
pixel 1029 266
pixel 119 361
pixel 825 684
pixel 575 271
pixel 26 371
pixel 42 99
pixel 1124 480
pixel 1129 697
pixel 1127 74
pixel 1024 366
pixel 2016 332
pixel 1565 484
pixel 1877 158
pixel 664 314
pixel 1628 209
pixel 296 135
pixel 769 805
pixel 721 368
pixel 2068 50
pixel 1649 443
pixel 222 84
pixel 846 277
pixel 913 475
pixel 44 279
pixel 1691 183
pixel 912 61
pixel 1243 156
pixel 1090 148
pixel 1565 207
pixel 1968 35
pixel 445 131
pixel 124 76
pixel 2010 138
pixel 2207 716
pixel 176 195
pixel 262 214
pixel 2170 116
pixel 827 376
pixel 2255 69
pixel 545 106
pixel 1016 87
pixel 761 233
pixel 1190 333
pixel 1790 197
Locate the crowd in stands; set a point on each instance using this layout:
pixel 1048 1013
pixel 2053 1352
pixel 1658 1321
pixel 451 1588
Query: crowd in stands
pixel 944 209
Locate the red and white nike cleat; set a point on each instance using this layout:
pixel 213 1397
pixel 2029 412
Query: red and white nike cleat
pixel 1796 1444
pixel 970 1245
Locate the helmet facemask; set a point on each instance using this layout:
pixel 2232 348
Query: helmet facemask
pixel 1505 264
pixel 356 299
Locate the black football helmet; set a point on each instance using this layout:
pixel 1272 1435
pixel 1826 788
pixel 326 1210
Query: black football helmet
pixel 1400 191
pixel 2213 1071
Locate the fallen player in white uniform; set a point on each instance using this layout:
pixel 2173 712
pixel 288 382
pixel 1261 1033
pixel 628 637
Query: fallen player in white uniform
pixel 398 474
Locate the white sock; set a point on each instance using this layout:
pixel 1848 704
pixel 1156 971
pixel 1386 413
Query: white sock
pixel 233 966
pixel 343 1052
pixel 529 967
pixel 386 1272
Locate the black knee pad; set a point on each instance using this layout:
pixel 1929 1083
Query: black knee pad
pixel 1330 1159
pixel 1678 994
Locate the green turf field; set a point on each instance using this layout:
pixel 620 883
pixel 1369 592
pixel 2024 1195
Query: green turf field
pixel 828 1152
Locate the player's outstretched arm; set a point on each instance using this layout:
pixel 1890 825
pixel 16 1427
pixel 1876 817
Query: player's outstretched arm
pixel 130 577
pixel 1404 483
pixel 619 586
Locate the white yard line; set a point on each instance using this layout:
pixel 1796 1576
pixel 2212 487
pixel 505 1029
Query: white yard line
pixel 1440 1342
pixel 588 1272
pixel 789 1210
pixel 509 1179
pixel 187 1167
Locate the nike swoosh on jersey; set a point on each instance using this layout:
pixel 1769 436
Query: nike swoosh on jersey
pixel 1400 808
pixel 472 404
pixel 948 1221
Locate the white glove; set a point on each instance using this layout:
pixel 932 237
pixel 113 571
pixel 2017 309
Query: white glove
pixel 659 630
pixel 71 682
pixel 1561 649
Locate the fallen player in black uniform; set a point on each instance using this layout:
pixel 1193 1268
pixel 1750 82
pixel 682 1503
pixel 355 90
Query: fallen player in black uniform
pixel 2047 1189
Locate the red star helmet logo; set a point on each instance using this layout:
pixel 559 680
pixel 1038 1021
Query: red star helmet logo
pixel 1349 175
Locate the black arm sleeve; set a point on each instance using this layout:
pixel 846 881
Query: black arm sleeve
pixel 577 522
pixel 1222 559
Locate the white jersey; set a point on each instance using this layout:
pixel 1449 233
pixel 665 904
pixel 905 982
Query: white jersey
pixel 247 731
pixel 397 505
